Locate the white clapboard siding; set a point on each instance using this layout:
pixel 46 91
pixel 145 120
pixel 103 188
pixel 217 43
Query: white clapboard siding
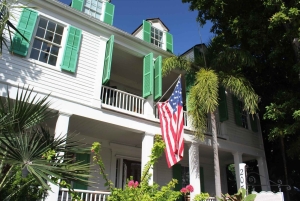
pixel 162 174
pixel 78 87
pixel 96 178
pixel 239 134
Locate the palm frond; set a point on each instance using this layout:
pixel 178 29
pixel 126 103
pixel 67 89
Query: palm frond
pixel 239 86
pixel 26 111
pixel 27 151
pixel 175 62
pixel 233 58
pixel 203 99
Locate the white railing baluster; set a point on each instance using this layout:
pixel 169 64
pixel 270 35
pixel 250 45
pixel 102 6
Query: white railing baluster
pixel 85 195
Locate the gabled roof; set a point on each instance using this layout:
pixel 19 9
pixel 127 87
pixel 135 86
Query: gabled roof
pixel 151 20
pixel 198 45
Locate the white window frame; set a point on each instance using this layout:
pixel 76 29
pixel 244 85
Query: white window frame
pixel 161 42
pixel 103 2
pixel 62 45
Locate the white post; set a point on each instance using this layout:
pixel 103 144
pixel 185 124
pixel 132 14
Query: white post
pixel 263 172
pixel 147 145
pixel 194 169
pixel 61 129
pixel 96 102
pixel 148 107
pixel 237 160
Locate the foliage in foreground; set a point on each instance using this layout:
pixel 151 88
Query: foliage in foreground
pixel 142 191
pixel 27 147
pixel 239 196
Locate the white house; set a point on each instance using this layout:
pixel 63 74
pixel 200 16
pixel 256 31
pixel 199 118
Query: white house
pixel 104 83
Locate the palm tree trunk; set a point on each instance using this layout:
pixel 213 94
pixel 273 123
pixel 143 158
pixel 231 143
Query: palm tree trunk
pixel 216 155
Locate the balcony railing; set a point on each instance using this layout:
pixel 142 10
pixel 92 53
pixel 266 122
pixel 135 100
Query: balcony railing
pixel 122 100
pixel 85 195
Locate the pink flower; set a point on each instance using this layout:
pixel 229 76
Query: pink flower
pixel 190 188
pixel 136 184
pixel 131 183
pixel 184 190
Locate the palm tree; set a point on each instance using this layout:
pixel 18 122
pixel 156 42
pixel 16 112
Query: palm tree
pixel 26 145
pixel 5 23
pixel 212 70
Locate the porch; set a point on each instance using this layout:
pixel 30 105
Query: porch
pixel 125 151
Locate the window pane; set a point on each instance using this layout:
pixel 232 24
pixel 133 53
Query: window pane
pixel 99 8
pixel 43 23
pixel 59 29
pixel 88 3
pixel 49 36
pixel 37 44
pixel 97 15
pixel 57 39
pixel 54 50
pixel 40 33
pixel 43 57
pixel 34 54
pixel 51 26
pixel 52 60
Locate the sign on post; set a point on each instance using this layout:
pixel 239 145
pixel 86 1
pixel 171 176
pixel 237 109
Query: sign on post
pixel 242 170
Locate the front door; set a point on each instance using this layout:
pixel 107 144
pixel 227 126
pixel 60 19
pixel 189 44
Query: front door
pixel 131 169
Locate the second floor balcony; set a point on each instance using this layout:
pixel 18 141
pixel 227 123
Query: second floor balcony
pixel 124 102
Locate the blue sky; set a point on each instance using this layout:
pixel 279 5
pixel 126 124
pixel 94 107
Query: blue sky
pixel 181 22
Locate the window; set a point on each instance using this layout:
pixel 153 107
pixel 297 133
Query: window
pixel 93 8
pixel 156 36
pixel 185 176
pixel 47 42
pixel 243 114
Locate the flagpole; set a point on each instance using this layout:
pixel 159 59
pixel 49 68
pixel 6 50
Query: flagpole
pixel 168 90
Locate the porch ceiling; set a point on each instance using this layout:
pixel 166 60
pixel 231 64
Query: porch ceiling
pixel 101 131
pixel 127 70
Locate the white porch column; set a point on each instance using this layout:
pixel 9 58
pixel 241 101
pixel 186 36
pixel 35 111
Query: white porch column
pixel 263 172
pixel 96 102
pixel 194 169
pixel 237 160
pixel 61 129
pixel 147 145
pixel 149 107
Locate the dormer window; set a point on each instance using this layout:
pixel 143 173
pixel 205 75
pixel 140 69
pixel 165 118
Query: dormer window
pixel 99 9
pixel 93 8
pixel 156 36
pixel 154 31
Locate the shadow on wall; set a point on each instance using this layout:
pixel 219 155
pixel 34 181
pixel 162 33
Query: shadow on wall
pixel 15 69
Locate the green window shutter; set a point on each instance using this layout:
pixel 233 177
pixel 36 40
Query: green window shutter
pixel 177 174
pixel 77 4
pixel 169 42
pixel 157 78
pixel 148 75
pixel 109 13
pixel 146 31
pixel 108 59
pixel 223 111
pixel 197 54
pixel 202 179
pixel 253 121
pixel 85 159
pixel 26 27
pixel 189 82
pixel 71 51
pixel 237 112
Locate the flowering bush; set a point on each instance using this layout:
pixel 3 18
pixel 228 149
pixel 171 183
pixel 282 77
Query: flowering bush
pixel 135 191
pixel 188 189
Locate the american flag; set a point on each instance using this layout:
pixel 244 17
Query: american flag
pixel 171 123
